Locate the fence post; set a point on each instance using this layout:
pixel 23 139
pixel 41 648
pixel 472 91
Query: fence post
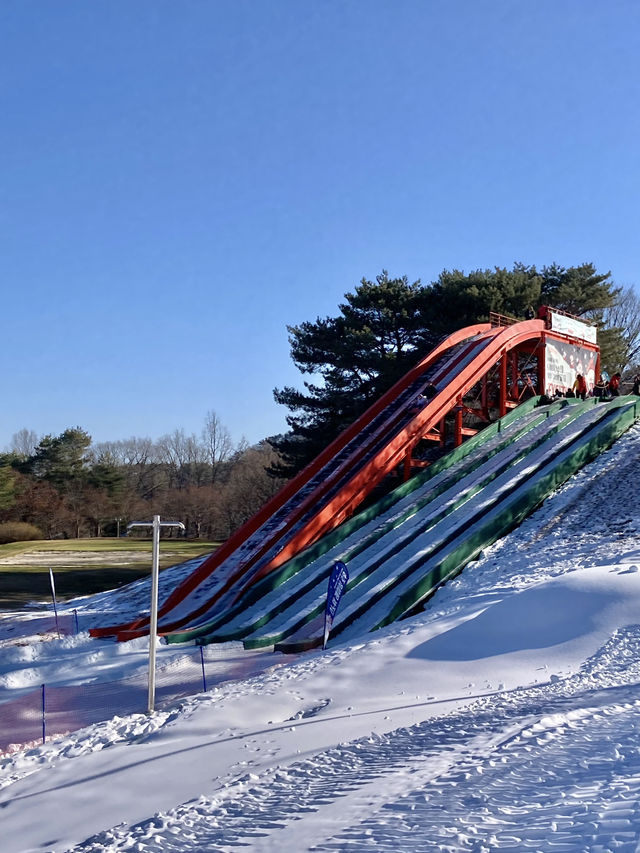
pixel 204 678
pixel 44 725
pixel 75 613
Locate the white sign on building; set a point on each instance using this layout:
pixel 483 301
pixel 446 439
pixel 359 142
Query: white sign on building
pixel 563 362
pixel 573 328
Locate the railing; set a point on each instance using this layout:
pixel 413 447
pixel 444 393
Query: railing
pixel 549 308
pixel 501 319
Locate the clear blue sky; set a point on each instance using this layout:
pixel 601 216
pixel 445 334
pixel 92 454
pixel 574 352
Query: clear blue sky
pixel 181 179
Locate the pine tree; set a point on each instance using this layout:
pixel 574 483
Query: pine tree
pixel 385 327
pixel 463 299
pixel 381 331
pixel 62 459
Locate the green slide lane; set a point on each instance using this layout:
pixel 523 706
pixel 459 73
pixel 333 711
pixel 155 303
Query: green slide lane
pixel 429 519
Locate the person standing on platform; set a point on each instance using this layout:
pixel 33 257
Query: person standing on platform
pixel 580 386
pixel 600 388
pixel 614 385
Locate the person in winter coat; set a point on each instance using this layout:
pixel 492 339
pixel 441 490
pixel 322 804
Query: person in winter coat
pixel 580 386
pixel 614 385
pixel 600 388
pixel 430 391
pixel 636 385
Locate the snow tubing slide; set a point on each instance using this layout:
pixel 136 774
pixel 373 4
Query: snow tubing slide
pixel 321 496
pixel 332 487
pixel 266 598
pixel 428 529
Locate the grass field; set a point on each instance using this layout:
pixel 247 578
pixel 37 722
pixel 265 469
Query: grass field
pixel 83 566
pixel 106 551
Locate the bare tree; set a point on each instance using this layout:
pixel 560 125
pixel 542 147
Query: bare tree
pixel 140 461
pixel 24 442
pixel 217 441
pixel 624 315
pixel 196 506
pixel 43 505
pixel 185 458
pixel 249 487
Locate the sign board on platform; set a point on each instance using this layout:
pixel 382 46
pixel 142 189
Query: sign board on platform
pixel 572 327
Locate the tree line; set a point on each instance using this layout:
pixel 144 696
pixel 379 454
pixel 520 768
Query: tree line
pixel 68 486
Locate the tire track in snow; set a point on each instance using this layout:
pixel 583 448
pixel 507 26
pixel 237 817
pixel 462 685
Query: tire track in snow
pixel 573 786
pixel 505 774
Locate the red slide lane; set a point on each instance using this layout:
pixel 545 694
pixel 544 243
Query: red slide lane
pixel 364 478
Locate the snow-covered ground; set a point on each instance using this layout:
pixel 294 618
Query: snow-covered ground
pixel 504 717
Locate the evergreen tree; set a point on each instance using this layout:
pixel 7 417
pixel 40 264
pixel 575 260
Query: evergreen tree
pixel 578 290
pixel 386 326
pixel 460 299
pixel 381 331
pixel 61 460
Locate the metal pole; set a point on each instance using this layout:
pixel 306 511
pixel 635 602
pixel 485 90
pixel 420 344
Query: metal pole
pixel 204 677
pixel 153 627
pixel 53 595
pixel 156 524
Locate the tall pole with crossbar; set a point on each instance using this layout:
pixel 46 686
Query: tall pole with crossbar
pixel 156 524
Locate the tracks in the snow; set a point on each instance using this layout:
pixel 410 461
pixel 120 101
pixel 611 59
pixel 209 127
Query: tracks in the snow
pixel 528 769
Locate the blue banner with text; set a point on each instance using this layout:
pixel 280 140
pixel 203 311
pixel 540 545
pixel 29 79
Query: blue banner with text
pixel 337 582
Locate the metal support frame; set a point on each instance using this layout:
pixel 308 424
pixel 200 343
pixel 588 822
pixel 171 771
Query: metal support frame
pixel 484 397
pixel 542 363
pixel 457 436
pixel 503 384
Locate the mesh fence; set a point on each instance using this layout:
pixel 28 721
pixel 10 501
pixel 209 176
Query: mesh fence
pixel 46 712
pixel 64 625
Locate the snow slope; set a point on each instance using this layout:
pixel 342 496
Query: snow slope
pixel 504 717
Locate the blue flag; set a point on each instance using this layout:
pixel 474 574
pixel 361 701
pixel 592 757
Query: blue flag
pixel 337 582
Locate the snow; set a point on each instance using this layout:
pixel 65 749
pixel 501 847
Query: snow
pixel 504 717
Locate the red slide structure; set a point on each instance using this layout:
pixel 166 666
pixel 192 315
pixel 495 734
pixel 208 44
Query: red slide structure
pixel 486 357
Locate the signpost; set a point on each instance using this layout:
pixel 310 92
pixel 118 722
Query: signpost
pixel 156 524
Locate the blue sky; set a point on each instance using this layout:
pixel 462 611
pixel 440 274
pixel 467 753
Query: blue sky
pixel 181 180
